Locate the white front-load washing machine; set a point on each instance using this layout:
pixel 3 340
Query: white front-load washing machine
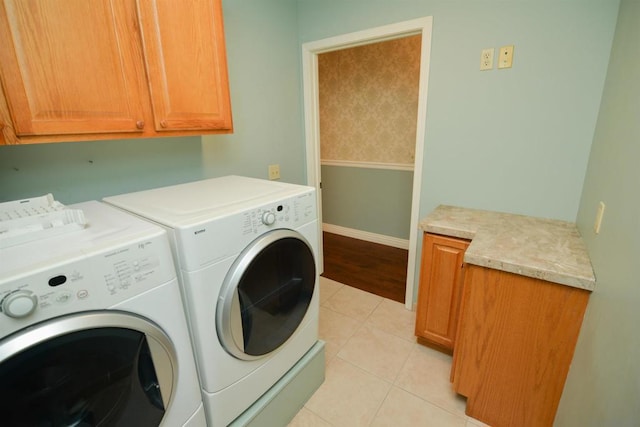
pixel 93 331
pixel 246 250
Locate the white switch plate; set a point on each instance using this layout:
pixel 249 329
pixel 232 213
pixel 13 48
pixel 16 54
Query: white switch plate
pixel 274 171
pixel 505 60
pixel 599 215
pixel 486 59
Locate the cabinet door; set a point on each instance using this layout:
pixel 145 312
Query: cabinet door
pixel 186 63
pixel 515 345
pixel 440 290
pixel 71 67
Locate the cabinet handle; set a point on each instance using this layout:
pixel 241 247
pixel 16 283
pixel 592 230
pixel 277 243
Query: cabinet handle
pixel 163 123
pixel 140 124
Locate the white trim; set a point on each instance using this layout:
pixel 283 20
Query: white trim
pixel 312 134
pixel 414 236
pixel 371 35
pixel 310 53
pixel 367 236
pixel 368 165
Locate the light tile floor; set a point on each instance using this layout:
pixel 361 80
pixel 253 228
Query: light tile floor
pixel 376 373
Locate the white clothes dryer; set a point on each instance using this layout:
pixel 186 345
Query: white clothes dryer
pixel 93 331
pixel 246 250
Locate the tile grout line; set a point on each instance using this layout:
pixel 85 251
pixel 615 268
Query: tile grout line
pixel 368 322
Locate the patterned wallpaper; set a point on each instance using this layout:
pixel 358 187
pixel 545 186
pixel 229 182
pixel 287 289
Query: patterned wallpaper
pixel 369 102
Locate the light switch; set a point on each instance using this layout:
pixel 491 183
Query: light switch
pixel 599 215
pixel 505 59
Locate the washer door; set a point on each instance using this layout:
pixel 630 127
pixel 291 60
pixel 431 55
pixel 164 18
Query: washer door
pixel 266 294
pixel 93 369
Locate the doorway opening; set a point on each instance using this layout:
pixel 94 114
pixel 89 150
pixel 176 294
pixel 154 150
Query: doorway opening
pixel 310 53
pixel 368 114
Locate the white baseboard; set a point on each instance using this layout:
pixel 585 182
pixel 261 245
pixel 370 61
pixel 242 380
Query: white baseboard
pixel 367 236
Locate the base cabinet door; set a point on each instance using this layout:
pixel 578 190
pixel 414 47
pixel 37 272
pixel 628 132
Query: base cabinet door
pixel 441 280
pixel 516 340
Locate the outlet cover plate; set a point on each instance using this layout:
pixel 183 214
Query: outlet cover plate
pixel 274 172
pixel 486 59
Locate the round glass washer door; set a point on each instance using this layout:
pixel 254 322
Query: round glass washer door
pixel 89 369
pixel 266 294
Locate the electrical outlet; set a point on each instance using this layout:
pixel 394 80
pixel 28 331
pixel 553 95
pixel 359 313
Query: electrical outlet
pixel 599 215
pixel 274 171
pixel 486 59
pixel 505 60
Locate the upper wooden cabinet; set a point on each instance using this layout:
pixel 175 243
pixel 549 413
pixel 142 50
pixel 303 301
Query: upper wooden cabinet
pixel 71 67
pixel 186 64
pixel 441 281
pixel 107 69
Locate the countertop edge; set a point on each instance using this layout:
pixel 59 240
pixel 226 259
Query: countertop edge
pixel 549 276
pixel 449 231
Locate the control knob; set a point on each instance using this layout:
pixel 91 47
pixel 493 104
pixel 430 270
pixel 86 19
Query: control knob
pixel 268 218
pixel 19 304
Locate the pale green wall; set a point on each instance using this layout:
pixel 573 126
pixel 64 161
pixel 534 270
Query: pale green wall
pixel 264 64
pixel 603 386
pixel 373 200
pixel 265 79
pixel 79 171
pixel 513 140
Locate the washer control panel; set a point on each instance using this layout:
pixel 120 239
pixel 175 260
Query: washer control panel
pixel 89 282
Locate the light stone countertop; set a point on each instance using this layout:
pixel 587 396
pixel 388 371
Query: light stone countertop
pixel 546 249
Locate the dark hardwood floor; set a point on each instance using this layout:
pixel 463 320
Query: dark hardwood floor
pixel 372 267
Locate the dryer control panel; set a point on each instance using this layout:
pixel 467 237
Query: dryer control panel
pixel 93 281
pixel 202 243
pixel 289 213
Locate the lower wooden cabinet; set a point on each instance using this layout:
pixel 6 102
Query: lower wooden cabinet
pixel 441 280
pixel 514 345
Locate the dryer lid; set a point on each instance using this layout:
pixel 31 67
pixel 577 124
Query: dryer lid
pixel 186 205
